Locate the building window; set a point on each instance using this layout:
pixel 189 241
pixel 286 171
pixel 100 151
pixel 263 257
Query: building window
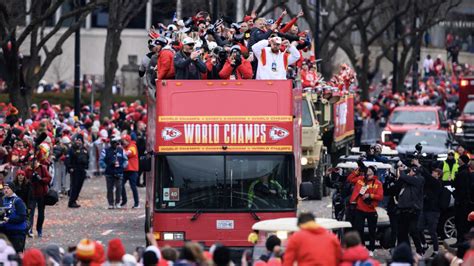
pixel 100 18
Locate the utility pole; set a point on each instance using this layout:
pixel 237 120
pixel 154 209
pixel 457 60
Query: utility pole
pixel 77 66
pixel 316 30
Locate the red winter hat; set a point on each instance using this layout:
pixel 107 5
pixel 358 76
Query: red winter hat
pixel 33 257
pixel 20 172
pixel 99 255
pixel 247 18
pixel 116 250
pixel 470 217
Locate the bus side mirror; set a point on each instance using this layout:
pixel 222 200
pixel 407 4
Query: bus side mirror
pixel 306 190
pixel 145 162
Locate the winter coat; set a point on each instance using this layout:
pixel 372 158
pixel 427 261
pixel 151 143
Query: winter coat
pixel 411 193
pixel 462 185
pixel 39 186
pixel 16 214
pixel 186 68
pixel 132 155
pixel 45 113
pixel 243 71
pixel 313 245
pixel 77 158
pixel 375 191
pixel 114 161
pixel 23 191
pixel 432 192
pixel 166 64
pixel 355 254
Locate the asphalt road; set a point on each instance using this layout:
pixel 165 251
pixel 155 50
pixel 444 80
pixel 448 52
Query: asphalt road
pixel 66 227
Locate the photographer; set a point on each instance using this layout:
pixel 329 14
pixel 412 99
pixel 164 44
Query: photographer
pixel 367 193
pixel 13 223
pixel 40 179
pixel 391 188
pixel 431 204
pixel 215 62
pixel 410 204
pixel 340 198
pixel 236 67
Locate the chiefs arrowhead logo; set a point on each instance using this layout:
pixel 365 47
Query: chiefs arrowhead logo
pixel 277 133
pixel 169 133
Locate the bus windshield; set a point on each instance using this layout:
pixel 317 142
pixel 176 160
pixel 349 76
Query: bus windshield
pixel 225 182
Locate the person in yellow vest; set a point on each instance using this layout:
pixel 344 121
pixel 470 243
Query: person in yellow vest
pixel 450 168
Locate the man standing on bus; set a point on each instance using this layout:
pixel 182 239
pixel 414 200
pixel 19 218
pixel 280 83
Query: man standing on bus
pixel 272 62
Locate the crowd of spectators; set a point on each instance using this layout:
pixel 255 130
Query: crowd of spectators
pixel 54 151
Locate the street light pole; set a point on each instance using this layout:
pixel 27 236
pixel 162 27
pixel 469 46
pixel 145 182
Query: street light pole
pixel 77 67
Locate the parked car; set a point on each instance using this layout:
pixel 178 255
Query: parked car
pixel 435 145
pixel 463 126
pixel 405 118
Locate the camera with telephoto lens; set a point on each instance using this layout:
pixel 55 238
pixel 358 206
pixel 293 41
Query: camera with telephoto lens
pixel 212 27
pixel 35 177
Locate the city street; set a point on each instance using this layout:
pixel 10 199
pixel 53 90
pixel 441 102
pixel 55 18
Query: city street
pixel 66 227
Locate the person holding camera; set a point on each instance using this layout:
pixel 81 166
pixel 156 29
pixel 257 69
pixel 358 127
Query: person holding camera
pixel 13 223
pixel 77 162
pixel 187 62
pixel 236 67
pixel 215 62
pixel 40 178
pixel 367 194
pixel 114 160
pixel 410 204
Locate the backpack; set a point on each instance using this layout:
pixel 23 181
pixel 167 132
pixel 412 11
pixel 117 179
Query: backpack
pixel 444 198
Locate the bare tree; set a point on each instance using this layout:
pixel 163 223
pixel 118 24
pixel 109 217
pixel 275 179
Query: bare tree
pixel 120 14
pixel 428 13
pixel 24 75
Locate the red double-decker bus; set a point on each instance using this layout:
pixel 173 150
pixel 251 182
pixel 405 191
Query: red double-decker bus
pixel 225 155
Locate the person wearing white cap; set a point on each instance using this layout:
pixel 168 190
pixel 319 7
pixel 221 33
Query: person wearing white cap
pixel 187 63
pixel 272 62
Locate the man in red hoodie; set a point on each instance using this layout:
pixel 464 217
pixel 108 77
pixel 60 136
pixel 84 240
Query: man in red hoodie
pixel 40 179
pixel 131 172
pixel 354 252
pixel 367 193
pixel 312 245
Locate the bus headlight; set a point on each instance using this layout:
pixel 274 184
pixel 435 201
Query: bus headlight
pixel 304 161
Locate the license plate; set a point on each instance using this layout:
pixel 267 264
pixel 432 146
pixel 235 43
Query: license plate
pixel 225 224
